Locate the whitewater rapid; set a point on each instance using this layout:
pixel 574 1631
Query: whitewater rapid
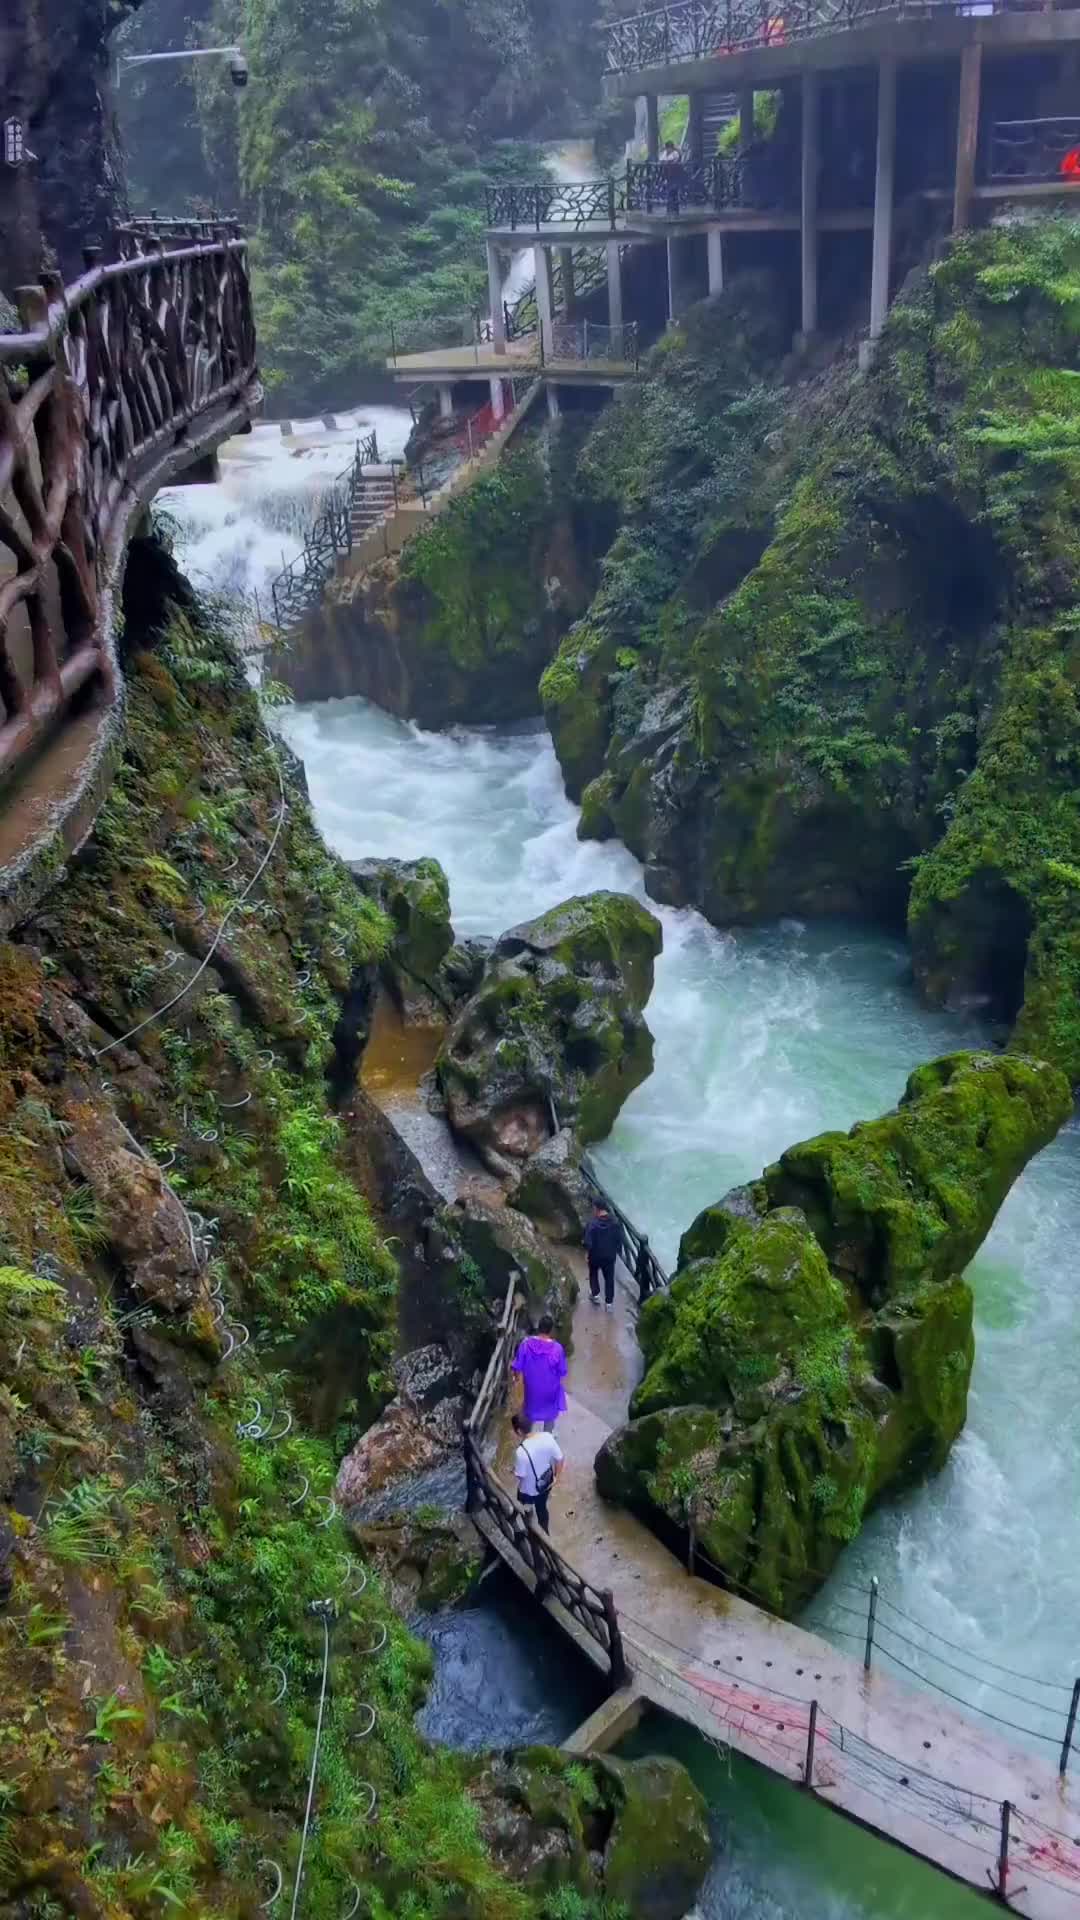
pixel 762 1038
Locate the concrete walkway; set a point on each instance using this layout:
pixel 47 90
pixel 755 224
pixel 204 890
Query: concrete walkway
pixel 901 1761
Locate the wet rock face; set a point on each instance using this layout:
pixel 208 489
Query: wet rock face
pixel 556 1018
pixel 418 1429
pixel 416 896
pixel 632 1833
pixel 815 1347
pixel 141 1217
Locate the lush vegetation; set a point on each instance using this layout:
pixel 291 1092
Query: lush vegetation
pixel 359 154
pixel 852 605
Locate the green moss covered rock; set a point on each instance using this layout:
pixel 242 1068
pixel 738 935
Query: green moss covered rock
pixel 415 896
pixel 815 1346
pixel 557 1019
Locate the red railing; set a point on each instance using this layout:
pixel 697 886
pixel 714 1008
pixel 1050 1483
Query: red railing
pixel 113 386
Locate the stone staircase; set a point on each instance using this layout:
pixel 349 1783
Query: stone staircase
pixel 373 500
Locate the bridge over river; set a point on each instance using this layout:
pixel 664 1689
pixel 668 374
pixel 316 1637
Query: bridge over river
pixel 945 1783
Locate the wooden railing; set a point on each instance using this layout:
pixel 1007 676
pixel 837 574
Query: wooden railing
pixel 590 1610
pixel 103 397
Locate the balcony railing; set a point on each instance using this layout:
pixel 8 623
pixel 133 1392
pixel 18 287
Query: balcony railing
pixel 585 340
pixel 708 29
pixel 1035 150
pixel 551 203
pixel 656 187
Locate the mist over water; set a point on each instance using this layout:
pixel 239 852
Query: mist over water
pixel 763 1037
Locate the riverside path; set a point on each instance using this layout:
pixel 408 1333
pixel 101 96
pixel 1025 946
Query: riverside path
pixel 904 1762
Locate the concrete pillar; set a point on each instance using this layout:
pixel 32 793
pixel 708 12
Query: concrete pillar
pixel 695 129
pixel 652 126
pixel 811 160
pixel 746 116
pixel 614 287
pixel 544 298
pixel 495 298
pixel 715 245
pixel 566 273
pixel 883 194
pixel 498 400
pixel 680 293
pixel 967 134
pixel 554 409
pixel 446 401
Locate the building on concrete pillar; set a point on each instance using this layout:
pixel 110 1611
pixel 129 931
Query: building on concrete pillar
pixel 545 299
pixel 495 298
pixel 811 166
pixel 715 248
pixel 884 184
pixel 614 286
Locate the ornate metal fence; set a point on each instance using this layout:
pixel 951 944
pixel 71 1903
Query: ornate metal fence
pixel 108 391
pixel 1036 150
pixel 592 1612
pixel 586 340
pixel 552 203
pixel 706 29
pixel 652 187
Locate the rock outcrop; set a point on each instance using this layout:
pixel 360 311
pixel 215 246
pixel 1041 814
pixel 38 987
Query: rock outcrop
pixel 425 971
pixel 816 1344
pixel 557 1019
pixel 632 1833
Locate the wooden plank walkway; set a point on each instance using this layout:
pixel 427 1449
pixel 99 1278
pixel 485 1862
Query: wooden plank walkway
pixel 902 1762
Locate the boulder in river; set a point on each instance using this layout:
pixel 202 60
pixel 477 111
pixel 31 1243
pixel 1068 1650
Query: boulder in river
pixel 631 1834
pixel 815 1347
pixel 423 971
pixel 557 1018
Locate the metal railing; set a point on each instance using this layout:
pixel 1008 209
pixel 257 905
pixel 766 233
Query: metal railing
pixel 587 340
pixel 113 385
pixel 1036 150
pixel 592 1611
pixel 552 203
pixel 653 186
pixel 640 1260
pixel 329 538
pixel 706 29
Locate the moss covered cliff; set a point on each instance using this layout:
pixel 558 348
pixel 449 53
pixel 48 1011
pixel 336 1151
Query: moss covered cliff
pixel 183 1250
pixel 834 646
pixel 815 1347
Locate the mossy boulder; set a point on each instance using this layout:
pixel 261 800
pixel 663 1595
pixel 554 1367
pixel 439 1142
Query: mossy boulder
pixel 632 1835
pixel 415 895
pixel 557 1019
pixel 815 1346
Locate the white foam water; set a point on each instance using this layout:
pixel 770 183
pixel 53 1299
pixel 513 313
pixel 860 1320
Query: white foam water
pixel 763 1037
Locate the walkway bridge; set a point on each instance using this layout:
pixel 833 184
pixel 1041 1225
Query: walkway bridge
pixel 111 389
pixel 928 1770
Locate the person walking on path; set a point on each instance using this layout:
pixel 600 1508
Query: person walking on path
pixel 603 1244
pixel 540 1365
pixel 538 1463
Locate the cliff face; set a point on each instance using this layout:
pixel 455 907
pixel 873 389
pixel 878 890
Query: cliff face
pixel 54 77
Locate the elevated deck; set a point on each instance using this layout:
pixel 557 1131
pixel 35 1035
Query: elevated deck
pixel 443 364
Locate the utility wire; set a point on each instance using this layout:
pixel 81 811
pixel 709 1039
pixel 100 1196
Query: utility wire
pixel 324 1608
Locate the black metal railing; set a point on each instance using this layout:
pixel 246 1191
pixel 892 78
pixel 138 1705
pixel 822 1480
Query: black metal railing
pixel 587 340
pixel 639 1259
pixel 1036 150
pixel 705 29
pixel 657 186
pixel 554 203
pixel 300 583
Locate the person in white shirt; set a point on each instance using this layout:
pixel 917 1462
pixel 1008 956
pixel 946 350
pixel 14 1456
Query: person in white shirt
pixel 538 1463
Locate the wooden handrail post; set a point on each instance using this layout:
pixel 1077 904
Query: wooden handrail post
pixel 620 1672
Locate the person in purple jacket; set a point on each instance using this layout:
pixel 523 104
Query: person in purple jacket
pixel 540 1364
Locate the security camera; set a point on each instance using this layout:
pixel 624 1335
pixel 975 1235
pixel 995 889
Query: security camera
pixel 238 67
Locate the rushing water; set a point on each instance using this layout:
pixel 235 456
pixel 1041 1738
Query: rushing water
pixel 762 1037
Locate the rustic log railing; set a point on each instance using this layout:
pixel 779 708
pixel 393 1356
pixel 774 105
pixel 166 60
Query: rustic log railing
pixel 103 396
pixel 591 1611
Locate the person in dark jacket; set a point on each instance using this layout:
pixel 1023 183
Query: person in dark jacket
pixel 603 1244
